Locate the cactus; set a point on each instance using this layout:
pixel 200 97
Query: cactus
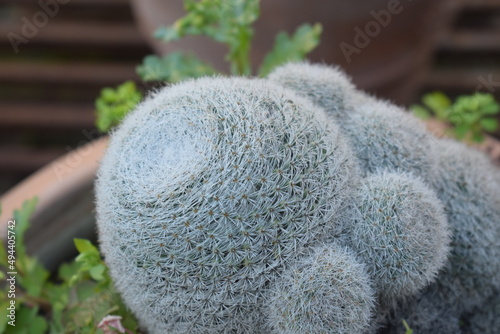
pixel 466 183
pixel 207 191
pixel 382 135
pixel 295 204
pixel 485 319
pixel 424 313
pixel 326 86
pixel 398 227
pixel 326 292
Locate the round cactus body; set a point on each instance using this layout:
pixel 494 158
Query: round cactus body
pixel 467 184
pixel 384 137
pixel 423 313
pixel 327 86
pixel 326 292
pixel 486 318
pixel 207 190
pixel 398 227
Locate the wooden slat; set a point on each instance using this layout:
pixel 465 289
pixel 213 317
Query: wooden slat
pixel 462 79
pixel 80 33
pixel 71 73
pixel 46 115
pixel 476 4
pixel 483 40
pixel 72 2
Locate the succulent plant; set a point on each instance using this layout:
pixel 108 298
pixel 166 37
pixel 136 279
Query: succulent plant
pixel 207 191
pixel 399 229
pixel 381 134
pixel 327 292
pixel 484 319
pixel 384 137
pixel 466 183
pixel 426 312
pixel 295 204
pixel 327 86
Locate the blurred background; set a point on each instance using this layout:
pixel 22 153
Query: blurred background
pixel 54 65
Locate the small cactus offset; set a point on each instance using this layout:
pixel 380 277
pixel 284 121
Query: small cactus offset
pixel 326 86
pixel 398 227
pixel 296 204
pixel 328 291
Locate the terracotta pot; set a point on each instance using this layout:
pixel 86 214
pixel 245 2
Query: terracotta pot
pixel 391 62
pixel 65 207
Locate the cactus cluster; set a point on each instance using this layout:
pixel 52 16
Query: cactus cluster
pixel 296 204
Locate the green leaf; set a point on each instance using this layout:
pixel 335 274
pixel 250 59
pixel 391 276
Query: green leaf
pixel 84 246
pixel 85 290
pixel 114 104
pixel 33 281
pixel 490 109
pixel 68 270
pixel 167 34
pixel 294 48
pixel 97 272
pixel 28 322
pixel 21 218
pixel 438 103
pixel 461 131
pixel 489 124
pixel 227 22
pixel 407 328
pixel 3 259
pixel 477 137
pixel 485 104
pixel 3 256
pixel 4 312
pixel 59 298
pixel 420 111
pixel 174 67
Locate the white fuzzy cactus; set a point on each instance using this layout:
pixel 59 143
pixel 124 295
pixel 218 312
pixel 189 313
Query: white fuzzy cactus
pixel 327 86
pixel 326 292
pixel 486 318
pixel 398 227
pixel 424 313
pixel 381 134
pixel 466 183
pixel 207 190
pixel 295 205
pixel 384 137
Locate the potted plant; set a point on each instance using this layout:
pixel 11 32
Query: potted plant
pixel 89 274
pixel 65 205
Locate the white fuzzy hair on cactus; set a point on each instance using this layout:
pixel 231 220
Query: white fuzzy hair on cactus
pixel 207 191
